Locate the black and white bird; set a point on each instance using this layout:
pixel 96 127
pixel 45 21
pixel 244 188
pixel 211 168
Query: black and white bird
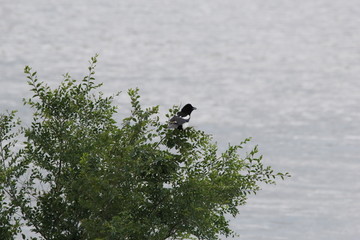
pixel 181 117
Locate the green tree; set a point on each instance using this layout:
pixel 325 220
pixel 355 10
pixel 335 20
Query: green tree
pixel 9 223
pixel 86 176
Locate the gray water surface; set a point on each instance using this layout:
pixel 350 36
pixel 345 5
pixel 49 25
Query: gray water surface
pixel 283 72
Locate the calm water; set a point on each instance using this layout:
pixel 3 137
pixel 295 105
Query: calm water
pixel 284 72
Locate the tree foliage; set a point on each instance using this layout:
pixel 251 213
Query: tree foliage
pixel 80 174
pixel 9 223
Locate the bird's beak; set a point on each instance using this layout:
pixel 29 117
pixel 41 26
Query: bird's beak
pixel 194 108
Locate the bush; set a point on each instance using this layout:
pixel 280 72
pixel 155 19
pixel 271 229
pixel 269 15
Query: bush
pixel 80 174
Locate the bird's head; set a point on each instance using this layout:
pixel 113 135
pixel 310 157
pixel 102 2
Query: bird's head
pixel 187 109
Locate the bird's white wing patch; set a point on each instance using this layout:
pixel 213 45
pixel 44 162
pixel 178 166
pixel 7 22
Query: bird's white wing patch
pixel 186 118
pixel 176 121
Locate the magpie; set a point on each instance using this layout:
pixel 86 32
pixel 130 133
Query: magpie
pixel 181 117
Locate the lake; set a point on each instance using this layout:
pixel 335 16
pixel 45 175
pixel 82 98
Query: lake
pixel 283 72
